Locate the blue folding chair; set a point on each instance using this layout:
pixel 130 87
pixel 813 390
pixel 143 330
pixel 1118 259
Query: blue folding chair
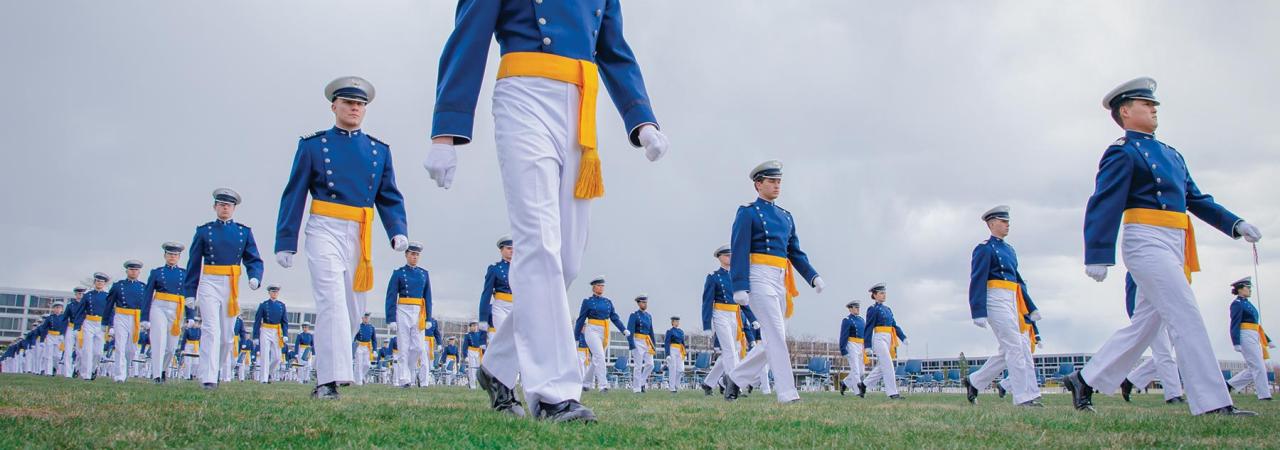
pixel 819 371
pixel 701 366
pixel 913 369
pixel 618 372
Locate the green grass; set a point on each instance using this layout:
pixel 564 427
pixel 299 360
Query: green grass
pixel 38 412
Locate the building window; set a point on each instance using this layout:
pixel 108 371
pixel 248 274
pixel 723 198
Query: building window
pixel 11 299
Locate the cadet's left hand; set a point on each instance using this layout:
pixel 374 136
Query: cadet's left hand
pixel 1249 232
pixel 146 324
pixel 1238 349
pixel 755 325
pixel 484 347
pixel 391 326
pixel 439 348
pixel 441 161
pixel 1271 345
pixel 626 332
pixel 818 284
pixel 399 243
pixel 428 327
pixel 254 283
pixel 1034 316
pixel 655 143
pixel 906 342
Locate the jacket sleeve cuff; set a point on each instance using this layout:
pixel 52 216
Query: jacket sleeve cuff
pixel 637 117
pixel 453 124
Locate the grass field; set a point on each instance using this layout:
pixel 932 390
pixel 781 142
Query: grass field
pixel 38 412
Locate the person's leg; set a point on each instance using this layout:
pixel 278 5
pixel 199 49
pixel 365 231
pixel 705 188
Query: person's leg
pixel 594 335
pixel 1166 367
pixel 884 363
pixel 1255 365
pixel 768 302
pixel 211 296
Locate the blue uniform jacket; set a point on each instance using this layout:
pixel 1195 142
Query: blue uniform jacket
pixel 126 293
pixel 495 280
pixel 74 313
pixel 1138 171
pixel 589 30
pixel 879 315
pixel 271 311
pixel 673 336
pixel 188 335
pixel 337 166
pixel 598 308
pixel 408 282
pixel 715 290
pixel 993 259
pixel 224 244
pixel 304 338
pixel 1242 311
pixel 434 331
pixel 475 339
pixel 56 322
pixel 166 279
pixel 850 327
pixel 95 304
pixel 763 227
pixel 366 333
pixel 450 350
pixel 639 322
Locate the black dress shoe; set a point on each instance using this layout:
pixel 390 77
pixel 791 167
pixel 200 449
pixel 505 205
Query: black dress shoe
pixel 1081 392
pixel 706 389
pixel 1126 388
pixel 566 411
pixel 1033 403
pixel 971 393
pixel 1230 388
pixel 501 398
pixel 896 397
pixel 1001 390
pixel 210 386
pixel 327 391
pixel 750 388
pixel 843 388
pixel 862 390
pixel 1176 400
pixel 1265 399
pixel 158 380
pixel 731 391
pixel 1232 411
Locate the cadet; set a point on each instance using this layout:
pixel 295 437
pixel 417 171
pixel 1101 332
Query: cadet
pixel 93 310
pixel 764 249
pixel 245 358
pixel 640 342
pixel 126 299
pixel 270 328
pixel 347 173
pixel 720 317
pixel 432 346
pixel 593 325
pixel 885 335
pixel 1146 185
pixel 1161 364
pixel 362 349
pixel 74 315
pixel 475 341
pixel 408 305
pixel 449 361
pixel 306 357
pixel 189 349
pixel 1248 338
pixel 55 325
pixel 238 335
pixel 852 346
pixel 673 346
pixel 497 287
pixel 166 284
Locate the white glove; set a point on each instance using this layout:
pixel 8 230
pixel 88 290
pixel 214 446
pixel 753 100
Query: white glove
pixel 1249 232
pixel 906 342
pixel 1034 316
pixel 1271 345
pixel 284 259
pixel 428 327
pixel 441 161
pixel 1238 348
pixel 741 298
pixel 254 283
pixel 484 347
pixel 626 332
pixel 391 326
pixel 818 284
pixel 146 324
pixel 655 143
pixel 981 322
pixel 1096 271
pixel 717 349
pixel 755 325
pixel 1040 345
pixel 439 348
pixel 399 243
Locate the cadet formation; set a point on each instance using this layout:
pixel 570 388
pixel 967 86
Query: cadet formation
pixel 184 322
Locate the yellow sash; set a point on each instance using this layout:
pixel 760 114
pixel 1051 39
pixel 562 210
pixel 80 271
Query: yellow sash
pixel 233 274
pixel 1170 219
pixel 431 343
pixel 586 353
pixel 605 324
pixel 857 340
pixel 479 352
pixel 422 309
pixel 893 344
pixel 79 337
pixel 678 347
pixel 785 265
pixel 279 333
pixel 647 340
pixel 363 280
pixel 726 307
pixel 742 341
pixel 1023 326
pixel 503 296
pixel 369 346
pixel 1262 337
pixel 176 328
pixel 195 346
pixel 93 318
pixel 235 341
pixel 55 333
pixel 584 75
pixel 137 315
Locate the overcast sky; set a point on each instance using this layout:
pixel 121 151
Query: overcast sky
pixel 899 124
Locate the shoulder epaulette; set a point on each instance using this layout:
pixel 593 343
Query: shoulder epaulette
pixel 312 135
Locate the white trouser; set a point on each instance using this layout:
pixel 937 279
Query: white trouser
pixel 856 367
pixel 212 296
pixel 268 353
pixel 190 364
pixel 1154 256
pixel 68 350
pixel 428 361
pixel 536 129
pixel 725 326
pixel 42 349
pixel 641 365
pixel 584 367
pixel 1256 371
pixel 594 335
pixel 1015 349
pixel 244 360
pixel 412 343
pixel 52 353
pixel 359 365
pixel 450 370
pixel 162 315
pixel 307 365
pixel 765 385
pixel 473 364
pixel 333 252
pixel 675 369
pixel 1160 366
pixel 126 345
pixel 91 348
pixel 884 370
pixel 768 301
pixel 498 312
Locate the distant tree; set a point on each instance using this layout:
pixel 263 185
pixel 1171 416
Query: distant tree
pixel 964 366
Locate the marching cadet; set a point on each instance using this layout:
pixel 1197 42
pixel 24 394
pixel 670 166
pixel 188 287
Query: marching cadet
pixel 720 317
pixel 853 347
pixel 432 346
pixel 72 313
pixel 213 274
pixel 497 287
pixel 449 361
pixel 747 333
pixel 764 250
pixel 348 173
pixel 245 358
pixel 108 356
pixel 302 347
pixel 55 325
pixel 387 360
pixel 673 346
pixel 96 306
pixel 362 349
pixel 408 305
pixel 189 350
pixel 126 299
pixel 1161 364
pixel 141 367
pixel 1248 338
pixel 885 335
pixel 238 335
pixel 1146 185
pixel 166 284
pixel 998 298
pixel 475 341
pixel 270 328
pixel 640 342
pixel 542 141
pixel 593 324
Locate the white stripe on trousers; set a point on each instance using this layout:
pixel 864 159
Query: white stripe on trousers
pixel 212 295
pixel 768 302
pixel 1255 372
pixel 536 128
pixel 163 345
pixel 1015 349
pixel 725 326
pixel 1160 365
pixel 333 251
pixel 1153 255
